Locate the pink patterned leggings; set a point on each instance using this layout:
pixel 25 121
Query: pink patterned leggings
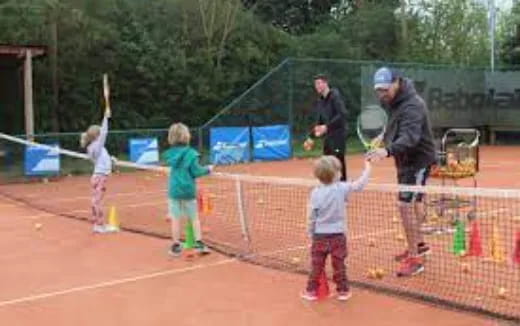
pixel 98 182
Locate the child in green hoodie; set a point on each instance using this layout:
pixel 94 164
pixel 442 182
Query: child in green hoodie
pixel 182 189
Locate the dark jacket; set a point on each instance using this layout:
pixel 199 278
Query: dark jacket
pixel 185 168
pixel 332 113
pixel 409 136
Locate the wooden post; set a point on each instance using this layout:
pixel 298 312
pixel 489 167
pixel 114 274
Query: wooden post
pixel 28 96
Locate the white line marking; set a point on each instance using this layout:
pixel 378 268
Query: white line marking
pixel 41 296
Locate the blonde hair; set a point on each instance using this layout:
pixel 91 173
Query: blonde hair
pixel 179 134
pixel 90 135
pixel 327 169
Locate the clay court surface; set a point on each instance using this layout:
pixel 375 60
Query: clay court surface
pixel 62 274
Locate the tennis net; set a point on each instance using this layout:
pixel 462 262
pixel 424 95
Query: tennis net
pixel 474 233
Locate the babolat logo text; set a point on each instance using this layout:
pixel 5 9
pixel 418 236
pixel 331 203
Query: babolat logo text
pixel 464 100
pixel 270 143
pixel 220 146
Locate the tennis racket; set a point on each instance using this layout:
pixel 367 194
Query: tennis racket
pixel 106 95
pixel 371 126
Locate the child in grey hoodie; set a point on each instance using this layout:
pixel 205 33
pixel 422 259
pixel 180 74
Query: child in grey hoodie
pixel 327 224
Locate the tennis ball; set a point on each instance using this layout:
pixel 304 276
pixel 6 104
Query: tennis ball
pixel 380 273
pixel 260 201
pixel 502 293
pixel 395 219
pixel 400 237
pixel 38 226
pixel 295 260
pixel 372 273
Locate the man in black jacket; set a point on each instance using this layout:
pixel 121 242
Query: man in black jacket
pixel 331 122
pixel 409 140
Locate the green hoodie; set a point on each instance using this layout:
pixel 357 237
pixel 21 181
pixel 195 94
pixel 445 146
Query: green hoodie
pixel 185 168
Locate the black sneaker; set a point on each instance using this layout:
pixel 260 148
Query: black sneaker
pixel 175 250
pixel 201 247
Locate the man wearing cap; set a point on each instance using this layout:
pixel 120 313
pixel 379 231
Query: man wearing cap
pixel 331 122
pixel 409 140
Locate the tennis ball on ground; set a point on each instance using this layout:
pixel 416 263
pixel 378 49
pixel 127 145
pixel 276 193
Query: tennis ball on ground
pixel 371 273
pixel 502 292
pixel 38 226
pixel 295 260
pixel 380 273
pixel 395 219
pixel 465 268
pixel 400 237
pixel 260 201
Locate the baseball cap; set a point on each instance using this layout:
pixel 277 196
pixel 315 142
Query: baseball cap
pixel 383 78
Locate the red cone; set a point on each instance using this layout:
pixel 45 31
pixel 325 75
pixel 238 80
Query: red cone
pixel 516 255
pixel 475 242
pixel 323 287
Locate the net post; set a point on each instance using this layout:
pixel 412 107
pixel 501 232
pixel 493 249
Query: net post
pixel 241 210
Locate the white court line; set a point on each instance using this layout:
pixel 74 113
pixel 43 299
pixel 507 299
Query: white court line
pixel 46 295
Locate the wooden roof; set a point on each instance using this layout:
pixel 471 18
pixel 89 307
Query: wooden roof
pixel 18 51
pixel 11 56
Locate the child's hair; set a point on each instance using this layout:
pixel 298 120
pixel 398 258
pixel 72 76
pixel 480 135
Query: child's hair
pixel 179 134
pixel 90 135
pixel 326 169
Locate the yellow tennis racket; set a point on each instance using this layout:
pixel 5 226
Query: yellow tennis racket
pixel 106 95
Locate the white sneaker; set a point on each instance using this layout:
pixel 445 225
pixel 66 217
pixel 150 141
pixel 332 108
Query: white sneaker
pixel 111 228
pixel 97 228
pixel 344 296
pixel 107 228
pixel 308 296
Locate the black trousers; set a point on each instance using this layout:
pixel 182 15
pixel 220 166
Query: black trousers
pixel 336 146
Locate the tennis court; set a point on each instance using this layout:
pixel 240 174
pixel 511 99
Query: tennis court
pixel 260 235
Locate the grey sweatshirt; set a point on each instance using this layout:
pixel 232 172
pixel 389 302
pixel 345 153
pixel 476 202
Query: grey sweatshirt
pixel 98 153
pixel 327 205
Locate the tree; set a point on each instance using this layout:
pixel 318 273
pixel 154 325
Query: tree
pixel 445 31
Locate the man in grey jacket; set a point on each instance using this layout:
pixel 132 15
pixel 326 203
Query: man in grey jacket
pixel 409 140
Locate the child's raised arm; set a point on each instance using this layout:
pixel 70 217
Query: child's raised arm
pixel 360 182
pixel 103 132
